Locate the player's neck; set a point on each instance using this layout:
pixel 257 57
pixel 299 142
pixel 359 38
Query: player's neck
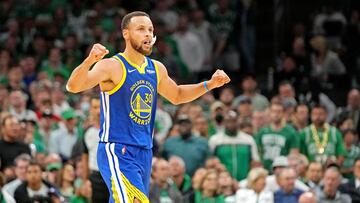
pixel 134 56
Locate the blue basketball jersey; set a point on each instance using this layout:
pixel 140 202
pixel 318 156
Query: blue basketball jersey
pixel 128 111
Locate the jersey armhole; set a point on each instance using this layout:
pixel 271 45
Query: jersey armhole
pixel 156 71
pixel 117 87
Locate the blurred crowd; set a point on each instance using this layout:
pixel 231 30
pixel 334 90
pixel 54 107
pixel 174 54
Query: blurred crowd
pixel 298 142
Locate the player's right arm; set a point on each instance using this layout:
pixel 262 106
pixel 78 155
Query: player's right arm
pixel 82 78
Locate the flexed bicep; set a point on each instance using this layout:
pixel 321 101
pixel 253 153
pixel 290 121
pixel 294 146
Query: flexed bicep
pixel 82 78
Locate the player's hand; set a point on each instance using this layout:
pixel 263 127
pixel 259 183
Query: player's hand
pixel 218 79
pixel 97 52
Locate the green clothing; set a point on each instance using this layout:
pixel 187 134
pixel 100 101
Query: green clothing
pixel 51 72
pixel 78 199
pixel 164 197
pixel 222 21
pixel 40 140
pixel 200 199
pixel 349 161
pixel 214 129
pixel 57 3
pixel 184 70
pixel 40 145
pixel 2 198
pixel 107 24
pixel 235 152
pixel 73 58
pixel 272 144
pixel 186 184
pixel 194 151
pixel 334 147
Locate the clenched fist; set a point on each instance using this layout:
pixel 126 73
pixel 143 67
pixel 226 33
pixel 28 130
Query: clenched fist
pixel 218 79
pixel 97 52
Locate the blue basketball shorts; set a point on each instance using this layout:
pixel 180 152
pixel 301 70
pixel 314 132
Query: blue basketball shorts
pixel 126 171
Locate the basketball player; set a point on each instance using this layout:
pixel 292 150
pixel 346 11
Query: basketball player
pixel 129 84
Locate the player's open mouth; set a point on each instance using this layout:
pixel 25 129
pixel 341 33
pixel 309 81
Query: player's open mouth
pixel 147 42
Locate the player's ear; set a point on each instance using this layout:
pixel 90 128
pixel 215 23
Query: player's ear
pixel 125 33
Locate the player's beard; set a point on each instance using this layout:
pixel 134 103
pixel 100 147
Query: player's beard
pixel 138 48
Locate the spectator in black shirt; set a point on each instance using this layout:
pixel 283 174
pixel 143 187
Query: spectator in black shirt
pixel 11 144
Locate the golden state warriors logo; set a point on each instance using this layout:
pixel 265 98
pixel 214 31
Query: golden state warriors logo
pixel 141 102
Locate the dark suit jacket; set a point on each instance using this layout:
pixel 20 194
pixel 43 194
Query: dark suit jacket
pixel 350 189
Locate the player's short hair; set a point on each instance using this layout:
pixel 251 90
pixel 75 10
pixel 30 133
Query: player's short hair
pixel 127 18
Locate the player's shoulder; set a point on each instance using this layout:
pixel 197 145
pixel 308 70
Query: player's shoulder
pixel 157 63
pixel 109 64
pixel 110 60
pixel 160 68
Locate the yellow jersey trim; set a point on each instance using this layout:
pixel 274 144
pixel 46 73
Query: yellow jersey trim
pixel 141 68
pixel 157 71
pixel 114 192
pixel 117 87
pixel 133 192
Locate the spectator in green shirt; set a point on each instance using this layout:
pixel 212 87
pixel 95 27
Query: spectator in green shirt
pixel 54 64
pixel 207 192
pixel 180 178
pixel 235 149
pixel 162 189
pixel 321 141
pixel 276 139
pixel 353 152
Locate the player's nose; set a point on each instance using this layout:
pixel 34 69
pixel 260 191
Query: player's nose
pixel 148 34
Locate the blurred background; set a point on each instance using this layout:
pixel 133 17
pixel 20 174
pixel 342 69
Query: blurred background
pixel 286 124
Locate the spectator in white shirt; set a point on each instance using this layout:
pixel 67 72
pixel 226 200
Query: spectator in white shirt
pixel 272 181
pixel 21 163
pixel 190 47
pixel 255 191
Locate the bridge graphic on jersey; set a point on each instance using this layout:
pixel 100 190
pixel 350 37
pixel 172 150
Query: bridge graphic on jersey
pixel 139 106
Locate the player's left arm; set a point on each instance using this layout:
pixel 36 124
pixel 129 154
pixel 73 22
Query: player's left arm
pixel 178 94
